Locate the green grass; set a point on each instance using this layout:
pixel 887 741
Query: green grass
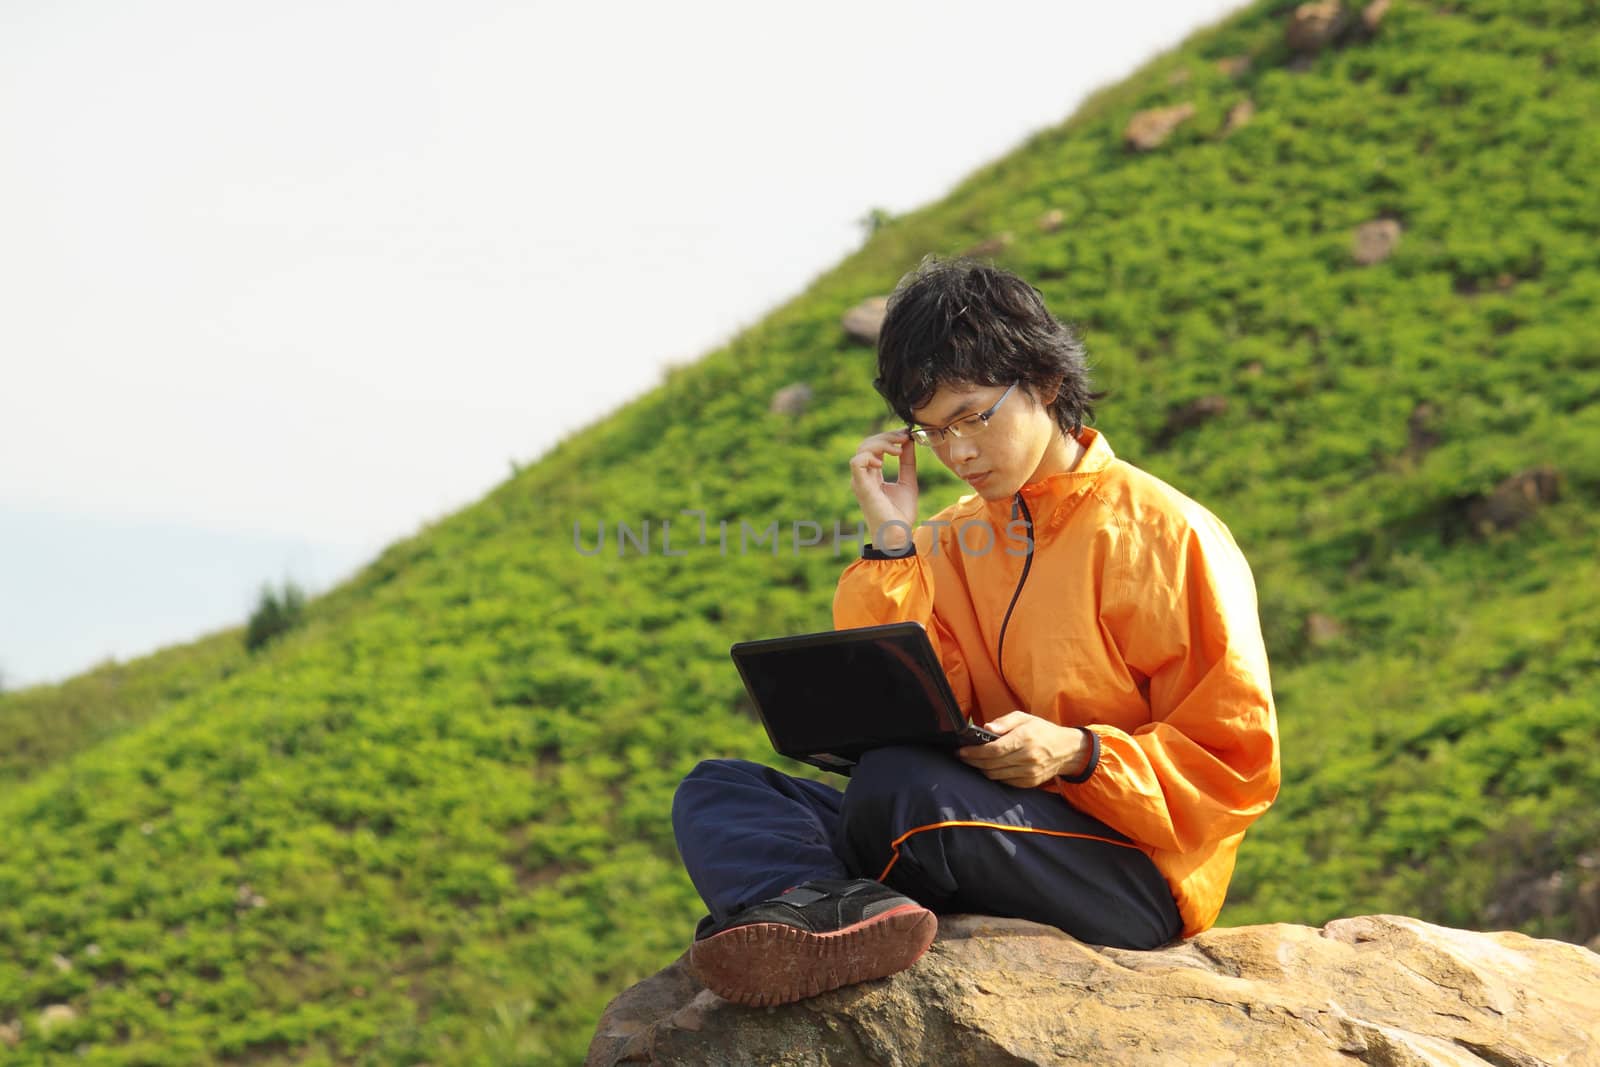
pixel 430 824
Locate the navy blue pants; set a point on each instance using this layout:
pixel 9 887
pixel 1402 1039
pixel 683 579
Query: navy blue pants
pixel 926 824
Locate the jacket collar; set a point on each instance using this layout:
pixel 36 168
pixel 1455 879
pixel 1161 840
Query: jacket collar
pixel 1043 496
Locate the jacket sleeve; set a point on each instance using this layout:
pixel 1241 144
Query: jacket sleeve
pixel 1181 606
pixel 872 592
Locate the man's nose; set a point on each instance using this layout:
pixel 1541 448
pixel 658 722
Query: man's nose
pixel 962 451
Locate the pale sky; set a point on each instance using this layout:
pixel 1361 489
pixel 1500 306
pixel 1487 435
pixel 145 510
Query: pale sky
pixel 281 281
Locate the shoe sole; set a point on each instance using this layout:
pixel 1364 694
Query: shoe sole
pixel 763 964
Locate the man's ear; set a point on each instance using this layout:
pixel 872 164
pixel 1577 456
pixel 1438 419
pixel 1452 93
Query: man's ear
pixel 1050 390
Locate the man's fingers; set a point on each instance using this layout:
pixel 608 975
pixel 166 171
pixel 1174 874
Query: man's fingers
pixel 990 754
pixel 1021 776
pixel 1009 721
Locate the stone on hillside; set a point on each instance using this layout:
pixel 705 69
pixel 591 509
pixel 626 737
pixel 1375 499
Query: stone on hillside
pixel 990 246
pixel 1239 114
pixel 1514 500
pixel 1527 890
pixel 1151 127
pixel 791 400
pixel 1378 989
pixel 1315 25
pixel 863 321
pixel 1419 429
pixel 1190 415
pixel 1375 241
pixel 1051 220
pixel 11 1034
pixel 1372 16
pixel 61 962
pixel 1322 629
pixel 1234 66
pixel 56 1015
pixel 1180 76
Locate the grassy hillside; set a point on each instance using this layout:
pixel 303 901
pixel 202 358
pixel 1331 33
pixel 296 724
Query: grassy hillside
pixel 431 825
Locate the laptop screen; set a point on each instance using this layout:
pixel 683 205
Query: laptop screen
pixel 848 690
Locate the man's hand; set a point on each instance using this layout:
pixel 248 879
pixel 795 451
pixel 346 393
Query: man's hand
pixel 1029 752
pixel 882 502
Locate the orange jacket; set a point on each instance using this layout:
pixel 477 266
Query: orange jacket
pixel 1135 616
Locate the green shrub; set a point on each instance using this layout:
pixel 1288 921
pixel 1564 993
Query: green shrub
pixel 275 614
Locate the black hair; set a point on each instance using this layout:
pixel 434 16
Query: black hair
pixel 961 321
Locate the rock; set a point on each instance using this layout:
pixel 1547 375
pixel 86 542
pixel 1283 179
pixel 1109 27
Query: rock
pixel 1149 128
pixel 1514 500
pixel 1376 989
pixel 1316 25
pixel 1323 629
pixel 990 246
pixel 1051 220
pixel 1379 989
pixel 1179 77
pixel 1372 15
pixel 1190 415
pixel 791 400
pixel 863 321
pixel 91 950
pixel 1239 114
pixel 61 963
pixel 1419 428
pixel 11 1034
pixel 1375 241
pixel 56 1015
pixel 1234 66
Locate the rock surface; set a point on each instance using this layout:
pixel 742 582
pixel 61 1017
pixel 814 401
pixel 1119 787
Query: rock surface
pixel 1151 127
pixel 1316 25
pixel 1514 500
pixel 1375 241
pixel 791 400
pixel 863 321
pixel 1377 989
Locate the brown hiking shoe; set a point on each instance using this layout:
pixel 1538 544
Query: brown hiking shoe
pixel 817 936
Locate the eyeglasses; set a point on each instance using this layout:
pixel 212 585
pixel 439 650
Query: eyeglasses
pixel 971 426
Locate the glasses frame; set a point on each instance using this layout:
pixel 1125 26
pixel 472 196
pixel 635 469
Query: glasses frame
pixel 966 426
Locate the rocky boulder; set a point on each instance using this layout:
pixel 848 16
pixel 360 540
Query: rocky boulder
pixel 1514 500
pixel 863 321
pixel 1375 241
pixel 1377 989
pixel 1150 128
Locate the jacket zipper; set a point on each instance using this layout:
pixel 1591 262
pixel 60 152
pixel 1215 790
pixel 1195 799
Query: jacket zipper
pixel 1027 561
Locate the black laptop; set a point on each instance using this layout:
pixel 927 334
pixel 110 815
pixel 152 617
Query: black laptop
pixel 826 698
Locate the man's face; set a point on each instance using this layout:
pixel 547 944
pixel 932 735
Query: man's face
pixel 1005 454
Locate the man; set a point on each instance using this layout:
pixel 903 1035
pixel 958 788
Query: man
pixel 1104 624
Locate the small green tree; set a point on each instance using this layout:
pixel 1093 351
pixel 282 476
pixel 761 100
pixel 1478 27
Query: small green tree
pixel 874 220
pixel 275 614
